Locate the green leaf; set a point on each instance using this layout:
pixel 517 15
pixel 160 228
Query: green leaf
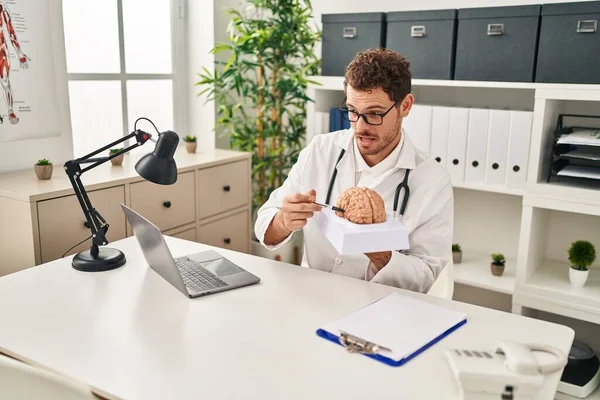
pixel 274 35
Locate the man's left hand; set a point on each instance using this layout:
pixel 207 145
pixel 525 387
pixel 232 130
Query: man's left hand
pixel 380 259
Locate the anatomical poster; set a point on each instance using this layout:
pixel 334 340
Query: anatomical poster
pixel 28 102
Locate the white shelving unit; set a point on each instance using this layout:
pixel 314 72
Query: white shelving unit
pixel 490 189
pixel 549 290
pixel 533 226
pixel 474 270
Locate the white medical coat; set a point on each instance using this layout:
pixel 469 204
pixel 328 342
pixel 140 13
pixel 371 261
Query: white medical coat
pixel 428 217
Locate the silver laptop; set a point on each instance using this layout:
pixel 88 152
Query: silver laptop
pixel 194 275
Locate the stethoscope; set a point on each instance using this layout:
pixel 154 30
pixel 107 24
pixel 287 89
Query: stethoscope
pixel 401 185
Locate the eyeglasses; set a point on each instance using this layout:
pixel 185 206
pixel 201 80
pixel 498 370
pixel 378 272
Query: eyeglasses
pixel 371 118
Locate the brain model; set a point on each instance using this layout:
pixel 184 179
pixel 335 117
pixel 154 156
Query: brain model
pixel 361 206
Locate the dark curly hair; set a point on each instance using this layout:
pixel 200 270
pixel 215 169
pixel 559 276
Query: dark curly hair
pixel 380 68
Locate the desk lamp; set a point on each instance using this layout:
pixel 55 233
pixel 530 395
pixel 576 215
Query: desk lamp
pixel 157 167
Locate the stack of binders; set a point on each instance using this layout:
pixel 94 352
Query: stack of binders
pixel 476 146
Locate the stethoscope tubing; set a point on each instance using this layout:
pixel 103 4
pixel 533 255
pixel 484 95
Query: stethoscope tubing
pixel 401 185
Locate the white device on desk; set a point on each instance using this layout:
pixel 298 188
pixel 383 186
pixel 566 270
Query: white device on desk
pixel 510 373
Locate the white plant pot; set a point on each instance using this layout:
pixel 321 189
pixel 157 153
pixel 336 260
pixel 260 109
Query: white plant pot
pixel 577 277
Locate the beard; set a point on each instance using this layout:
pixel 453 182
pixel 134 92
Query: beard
pixel 387 138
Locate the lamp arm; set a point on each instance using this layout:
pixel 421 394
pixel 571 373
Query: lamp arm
pixel 141 138
pixel 97 224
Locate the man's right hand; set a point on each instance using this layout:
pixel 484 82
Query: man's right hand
pixel 297 209
pixel 294 214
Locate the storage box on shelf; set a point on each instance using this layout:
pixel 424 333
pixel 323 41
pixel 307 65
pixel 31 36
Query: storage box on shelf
pixel 569 41
pixel 426 38
pixel 497 43
pixel 544 43
pixel 344 35
pixel 209 203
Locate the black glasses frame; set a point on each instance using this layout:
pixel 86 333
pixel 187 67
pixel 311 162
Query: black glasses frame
pixel 346 113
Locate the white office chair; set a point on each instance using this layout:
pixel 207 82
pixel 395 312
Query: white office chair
pixel 20 381
pixel 444 284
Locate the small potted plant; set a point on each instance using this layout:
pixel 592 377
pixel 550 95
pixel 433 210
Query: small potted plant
pixel 43 169
pixel 118 160
pixel 456 253
pixel 581 255
pixel 190 143
pixel 497 265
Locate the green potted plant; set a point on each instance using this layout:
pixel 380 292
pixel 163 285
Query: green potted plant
pixel 260 87
pixel 581 255
pixel 190 143
pixel 456 253
pixel 497 265
pixel 118 160
pixel 43 169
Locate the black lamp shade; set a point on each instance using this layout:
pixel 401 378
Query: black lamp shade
pixel 159 166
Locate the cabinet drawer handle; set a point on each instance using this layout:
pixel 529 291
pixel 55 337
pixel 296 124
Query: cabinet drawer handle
pixel 167 204
pixel 438 159
pixel 227 188
pixel 418 31
pixel 475 164
pixel 227 240
pixel 495 29
pixel 86 224
pixel 587 26
pixel 455 161
pixel 516 168
pixel 349 32
pixel 495 166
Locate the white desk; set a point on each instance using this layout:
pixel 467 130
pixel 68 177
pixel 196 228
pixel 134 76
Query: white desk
pixel 131 335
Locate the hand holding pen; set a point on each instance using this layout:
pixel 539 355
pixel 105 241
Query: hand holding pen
pixel 298 208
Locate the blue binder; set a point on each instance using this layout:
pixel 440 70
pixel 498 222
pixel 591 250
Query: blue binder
pixel 336 121
pixel 357 345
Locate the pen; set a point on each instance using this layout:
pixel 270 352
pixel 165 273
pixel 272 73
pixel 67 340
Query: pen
pixel 334 208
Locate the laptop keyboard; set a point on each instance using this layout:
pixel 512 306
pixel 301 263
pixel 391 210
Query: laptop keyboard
pixel 196 277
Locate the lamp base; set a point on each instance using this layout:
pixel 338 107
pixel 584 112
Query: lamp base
pixel 106 260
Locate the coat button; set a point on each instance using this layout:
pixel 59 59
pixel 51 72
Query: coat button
pixel 338 260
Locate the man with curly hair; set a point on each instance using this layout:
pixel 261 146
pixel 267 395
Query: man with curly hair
pixel 375 153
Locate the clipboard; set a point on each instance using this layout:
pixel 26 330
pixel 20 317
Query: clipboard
pixel 389 341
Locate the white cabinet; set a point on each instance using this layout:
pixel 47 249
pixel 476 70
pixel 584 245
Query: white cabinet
pixel 41 220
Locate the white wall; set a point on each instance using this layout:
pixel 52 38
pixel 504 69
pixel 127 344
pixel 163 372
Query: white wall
pixel 221 20
pixel 200 40
pixel 23 154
